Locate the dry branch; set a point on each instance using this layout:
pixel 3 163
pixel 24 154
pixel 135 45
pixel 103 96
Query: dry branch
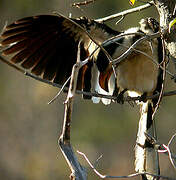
pixel 126 12
pixel 84 3
pixel 162 148
pixel 102 176
pixel 78 172
pixel 132 47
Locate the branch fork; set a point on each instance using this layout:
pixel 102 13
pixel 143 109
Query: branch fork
pixel 78 172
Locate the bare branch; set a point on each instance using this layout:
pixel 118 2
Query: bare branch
pixel 78 172
pixel 118 177
pixel 171 156
pixel 163 80
pixel 172 138
pixel 60 91
pixel 162 148
pixel 132 48
pixel 142 39
pixel 150 57
pixel 12 65
pixel 124 13
pixel 84 3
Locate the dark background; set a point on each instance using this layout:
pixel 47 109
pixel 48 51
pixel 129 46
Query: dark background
pixel 29 128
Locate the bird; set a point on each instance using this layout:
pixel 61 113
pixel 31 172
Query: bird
pixel 40 44
pixel 47 46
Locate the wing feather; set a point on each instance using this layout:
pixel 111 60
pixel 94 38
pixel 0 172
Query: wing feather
pixel 47 45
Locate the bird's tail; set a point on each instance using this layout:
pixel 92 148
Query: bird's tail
pixel 146 156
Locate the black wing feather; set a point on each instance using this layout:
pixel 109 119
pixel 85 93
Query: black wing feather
pixel 47 45
pixel 44 43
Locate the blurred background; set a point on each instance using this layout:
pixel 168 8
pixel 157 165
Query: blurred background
pixel 29 128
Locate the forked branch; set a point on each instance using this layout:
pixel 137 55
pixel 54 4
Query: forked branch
pixel 78 172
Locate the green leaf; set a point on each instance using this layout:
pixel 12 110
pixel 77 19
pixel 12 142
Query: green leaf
pixel 132 2
pixel 171 24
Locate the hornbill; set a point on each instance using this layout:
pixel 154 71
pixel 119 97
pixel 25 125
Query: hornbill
pixel 47 46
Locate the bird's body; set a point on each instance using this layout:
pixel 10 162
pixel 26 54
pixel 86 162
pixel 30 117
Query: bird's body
pixel 137 72
pixel 139 78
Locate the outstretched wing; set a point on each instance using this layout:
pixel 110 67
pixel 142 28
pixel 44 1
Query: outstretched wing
pixel 47 45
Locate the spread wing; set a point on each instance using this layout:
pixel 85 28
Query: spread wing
pixel 47 45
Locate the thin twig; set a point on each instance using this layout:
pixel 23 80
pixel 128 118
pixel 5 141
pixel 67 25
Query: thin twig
pixel 97 160
pixel 124 13
pixel 163 80
pixel 169 152
pixel 132 48
pixel 151 58
pixel 60 91
pixel 127 52
pixel 12 65
pixel 174 12
pixel 172 138
pixel 84 3
pixel 118 177
pixel 162 148
pixel 170 155
pixel 121 19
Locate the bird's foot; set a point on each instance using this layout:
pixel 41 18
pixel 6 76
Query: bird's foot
pixel 120 97
pixel 143 97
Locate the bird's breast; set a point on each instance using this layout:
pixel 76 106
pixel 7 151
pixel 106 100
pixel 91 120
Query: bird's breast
pixel 137 73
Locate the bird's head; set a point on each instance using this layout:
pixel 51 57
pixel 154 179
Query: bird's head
pixel 149 25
